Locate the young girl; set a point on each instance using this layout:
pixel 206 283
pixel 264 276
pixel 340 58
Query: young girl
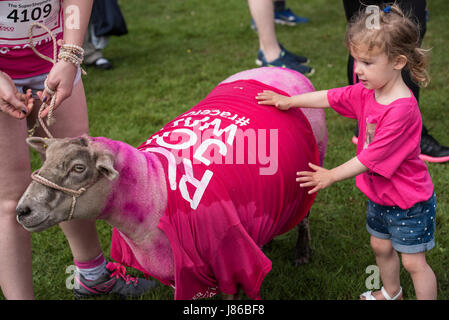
pixel 402 203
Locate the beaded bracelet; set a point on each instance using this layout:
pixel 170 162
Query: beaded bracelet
pixel 69 58
pixel 72 53
pixel 72 47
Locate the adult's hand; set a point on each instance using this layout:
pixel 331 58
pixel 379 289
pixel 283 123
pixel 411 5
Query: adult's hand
pixel 17 105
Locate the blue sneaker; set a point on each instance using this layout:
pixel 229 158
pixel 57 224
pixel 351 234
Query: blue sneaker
pixel 287 54
pixel 284 61
pixel 297 58
pixel 253 25
pixel 288 17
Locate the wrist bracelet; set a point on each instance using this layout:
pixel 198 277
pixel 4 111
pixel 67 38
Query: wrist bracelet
pixel 73 54
pixel 72 47
pixel 69 58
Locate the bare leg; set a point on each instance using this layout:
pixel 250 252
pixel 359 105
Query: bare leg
pixel 81 234
pixel 388 262
pixel 424 279
pixel 72 121
pixel 15 241
pixel 263 14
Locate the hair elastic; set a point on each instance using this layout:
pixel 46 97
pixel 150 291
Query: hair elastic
pixel 387 9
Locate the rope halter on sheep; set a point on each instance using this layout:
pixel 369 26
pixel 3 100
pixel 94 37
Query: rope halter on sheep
pixel 74 193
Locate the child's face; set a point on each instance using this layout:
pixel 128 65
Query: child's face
pixel 373 68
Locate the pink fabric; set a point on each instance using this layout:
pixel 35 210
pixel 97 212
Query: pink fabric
pixel 19 64
pixel 91 263
pixel 293 83
pixel 17 59
pixel 287 80
pixel 388 144
pixel 216 227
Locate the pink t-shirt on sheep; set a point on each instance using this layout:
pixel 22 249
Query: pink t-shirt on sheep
pixel 388 144
pixel 225 201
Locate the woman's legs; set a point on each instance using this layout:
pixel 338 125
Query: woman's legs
pixel 263 14
pixel 72 121
pixel 15 242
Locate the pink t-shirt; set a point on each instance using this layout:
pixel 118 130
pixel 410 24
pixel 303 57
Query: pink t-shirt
pixel 17 59
pixel 231 170
pixel 388 144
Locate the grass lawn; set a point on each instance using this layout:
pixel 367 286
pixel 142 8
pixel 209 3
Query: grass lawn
pixel 178 51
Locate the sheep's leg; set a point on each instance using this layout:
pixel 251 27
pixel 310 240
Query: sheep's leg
pixel 303 249
pixel 235 296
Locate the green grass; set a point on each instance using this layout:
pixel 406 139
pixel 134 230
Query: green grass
pixel 174 54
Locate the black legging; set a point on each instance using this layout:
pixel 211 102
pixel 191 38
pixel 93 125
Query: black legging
pixel 416 10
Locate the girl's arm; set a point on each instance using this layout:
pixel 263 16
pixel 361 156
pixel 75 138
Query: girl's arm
pixel 322 178
pixel 316 99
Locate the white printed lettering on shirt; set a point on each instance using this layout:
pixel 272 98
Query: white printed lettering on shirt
pixel 200 185
pixel 192 139
pixel 203 147
pixel 232 129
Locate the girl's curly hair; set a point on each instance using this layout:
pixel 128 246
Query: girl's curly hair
pixel 396 34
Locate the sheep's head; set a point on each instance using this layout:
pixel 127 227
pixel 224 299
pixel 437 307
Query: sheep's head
pixel 71 164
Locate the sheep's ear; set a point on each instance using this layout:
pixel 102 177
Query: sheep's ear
pixel 39 144
pixel 82 140
pixel 105 164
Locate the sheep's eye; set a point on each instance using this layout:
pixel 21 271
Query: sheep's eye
pixel 79 168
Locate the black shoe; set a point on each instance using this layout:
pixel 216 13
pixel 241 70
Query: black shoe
pixel 431 150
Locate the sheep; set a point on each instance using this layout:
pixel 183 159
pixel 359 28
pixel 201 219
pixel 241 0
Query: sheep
pixel 194 205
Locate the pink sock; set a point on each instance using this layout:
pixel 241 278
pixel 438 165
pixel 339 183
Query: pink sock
pixel 92 269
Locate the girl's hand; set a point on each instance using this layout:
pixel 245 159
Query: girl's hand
pixel 17 105
pixel 268 97
pixel 60 79
pixel 319 179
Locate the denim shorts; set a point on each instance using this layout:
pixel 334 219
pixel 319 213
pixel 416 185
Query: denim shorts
pixel 410 230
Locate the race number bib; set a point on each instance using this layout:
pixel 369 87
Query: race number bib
pixel 17 16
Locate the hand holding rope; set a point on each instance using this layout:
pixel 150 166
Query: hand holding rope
pixel 70 53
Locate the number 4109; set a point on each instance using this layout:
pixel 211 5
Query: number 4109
pixel 34 14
